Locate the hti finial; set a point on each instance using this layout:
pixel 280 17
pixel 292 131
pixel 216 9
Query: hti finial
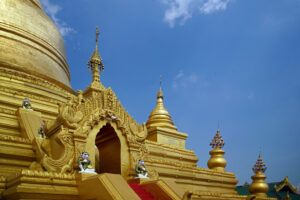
pixel 259 166
pixel 97 34
pixel 160 80
pixel 95 64
pixel 217 141
pixel 260 151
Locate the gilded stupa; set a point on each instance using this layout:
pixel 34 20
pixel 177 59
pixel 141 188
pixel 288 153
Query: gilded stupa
pixel 56 143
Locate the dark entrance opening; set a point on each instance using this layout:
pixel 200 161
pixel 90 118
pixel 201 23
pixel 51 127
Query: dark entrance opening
pixel 109 148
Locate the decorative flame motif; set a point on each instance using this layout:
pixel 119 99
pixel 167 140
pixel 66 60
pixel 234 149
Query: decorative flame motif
pixel 259 166
pixel 217 141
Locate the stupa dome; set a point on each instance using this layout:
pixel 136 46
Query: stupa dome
pixel 30 42
pixel 160 117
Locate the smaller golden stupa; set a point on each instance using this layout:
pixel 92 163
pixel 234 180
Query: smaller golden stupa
pixel 217 161
pixel 259 187
pixel 160 117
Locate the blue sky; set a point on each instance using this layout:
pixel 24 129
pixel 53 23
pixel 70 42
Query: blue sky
pixel 233 61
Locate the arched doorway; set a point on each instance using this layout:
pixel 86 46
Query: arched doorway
pixel 108 145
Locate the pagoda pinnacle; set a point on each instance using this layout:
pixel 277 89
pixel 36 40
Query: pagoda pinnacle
pixel 160 117
pixel 258 187
pixel 95 65
pixel 217 160
pixel 260 166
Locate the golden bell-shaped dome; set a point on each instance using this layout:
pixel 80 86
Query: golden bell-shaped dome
pixel 30 42
pixel 160 117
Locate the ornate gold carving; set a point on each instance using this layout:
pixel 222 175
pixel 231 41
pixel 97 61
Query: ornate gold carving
pixel 78 117
pixel 14 139
pixel 153 174
pixel 26 94
pixel 25 77
pixel 43 174
pixel 65 162
pixel 69 115
pixel 35 166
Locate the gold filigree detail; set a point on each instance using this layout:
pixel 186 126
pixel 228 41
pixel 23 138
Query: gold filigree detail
pixel 65 162
pixel 259 166
pixel 28 95
pixel 25 77
pixel 217 141
pixel 14 139
pixel 42 174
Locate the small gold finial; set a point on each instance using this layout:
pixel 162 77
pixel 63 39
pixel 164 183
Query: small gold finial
pixel 160 93
pixel 259 187
pixel 217 141
pixel 217 160
pixel 95 64
pixel 259 166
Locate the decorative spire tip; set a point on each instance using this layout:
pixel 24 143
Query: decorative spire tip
pixel 259 166
pixel 217 141
pixel 97 34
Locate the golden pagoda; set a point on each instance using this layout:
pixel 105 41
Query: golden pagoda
pixel 56 143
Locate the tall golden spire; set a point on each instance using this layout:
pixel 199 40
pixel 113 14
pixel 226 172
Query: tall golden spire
pixel 96 66
pixel 217 160
pixel 160 117
pixel 258 187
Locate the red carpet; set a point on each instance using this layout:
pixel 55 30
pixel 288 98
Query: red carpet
pixel 141 192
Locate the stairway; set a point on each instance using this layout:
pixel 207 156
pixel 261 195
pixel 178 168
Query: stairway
pixel 141 192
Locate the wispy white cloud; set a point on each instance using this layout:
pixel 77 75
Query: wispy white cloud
pixel 183 80
pixel 52 10
pixel 251 96
pixel 211 6
pixel 181 10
